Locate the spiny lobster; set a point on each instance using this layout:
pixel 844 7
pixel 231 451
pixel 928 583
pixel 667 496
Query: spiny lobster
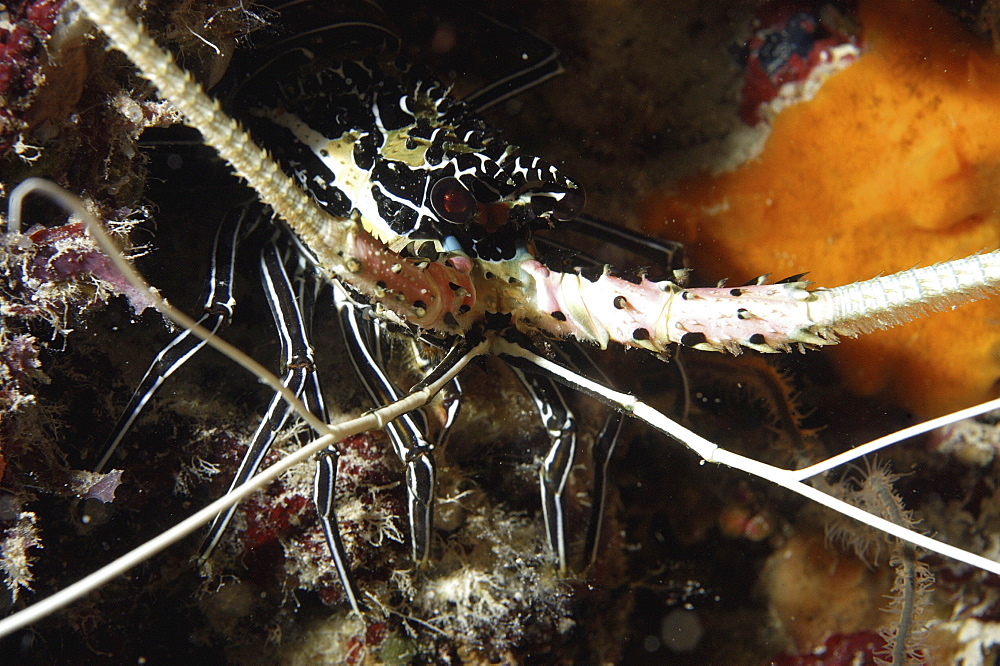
pixel 484 267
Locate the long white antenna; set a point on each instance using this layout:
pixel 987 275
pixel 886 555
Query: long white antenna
pixel 710 452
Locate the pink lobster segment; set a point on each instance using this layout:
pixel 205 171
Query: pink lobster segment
pixel 652 315
pixel 450 296
pixel 763 317
pixel 431 295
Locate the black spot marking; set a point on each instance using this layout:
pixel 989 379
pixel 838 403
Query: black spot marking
pixel 757 339
pixel 620 302
pixel 735 292
pixel 641 334
pixel 434 154
pixel 558 316
pixel 591 273
pixel 366 150
pixel 428 251
pixel 693 339
pixel 497 321
pixel 743 313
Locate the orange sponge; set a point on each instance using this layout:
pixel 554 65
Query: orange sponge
pixel 895 163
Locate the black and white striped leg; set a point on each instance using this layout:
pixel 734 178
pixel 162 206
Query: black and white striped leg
pixel 664 256
pixel 553 475
pixel 453 405
pixel 292 315
pixel 559 462
pixel 325 482
pixel 325 479
pixel 663 253
pixel 600 454
pixel 367 349
pixel 325 496
pixel 572 242
pixel 297 361
pixel 218 311
pixel 604 449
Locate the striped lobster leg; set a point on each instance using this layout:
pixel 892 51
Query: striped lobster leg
pixel 219 305
pixel 363 344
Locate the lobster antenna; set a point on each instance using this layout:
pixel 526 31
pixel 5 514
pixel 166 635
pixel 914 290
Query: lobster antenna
pixel 899 436
pixel 249 161
pixel 711 452
pixel 895 299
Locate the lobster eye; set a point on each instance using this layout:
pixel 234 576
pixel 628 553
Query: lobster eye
pixel 569 206
pixel 452 202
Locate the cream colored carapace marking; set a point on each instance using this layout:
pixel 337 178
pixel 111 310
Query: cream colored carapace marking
pixel 395 148
pixel 338 156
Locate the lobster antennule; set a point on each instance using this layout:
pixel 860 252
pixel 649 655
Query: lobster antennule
pixel 248 160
